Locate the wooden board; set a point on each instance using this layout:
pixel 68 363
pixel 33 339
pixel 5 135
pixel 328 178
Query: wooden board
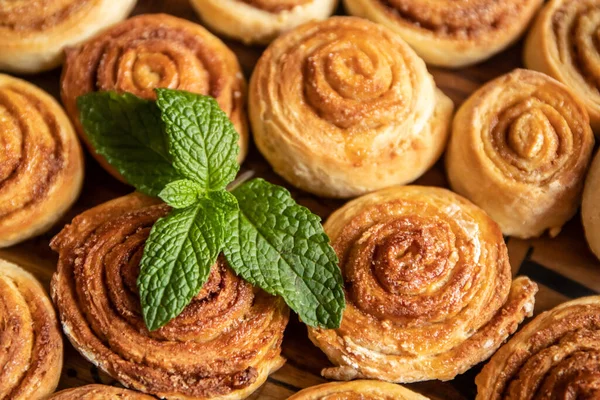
pixel 563 267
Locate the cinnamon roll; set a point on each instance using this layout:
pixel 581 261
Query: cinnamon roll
pixel 31 343
pixel 519 149
pixel 428 285
pixel 98 392
pixel 150 51
pixel 563 43
pixel 590 207
pixel 41 165
pixel 344 107
pixel 223 345
pixel 555 356
pixel 451 33
pixel 358 390
pixel 33 34
pixel 260 21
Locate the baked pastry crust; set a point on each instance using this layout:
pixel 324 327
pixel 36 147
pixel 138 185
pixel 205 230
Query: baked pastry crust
pixel 98 392
pixel 519 149
pixel 223 345
pixel 150 51
pixel 344 107
pixel 555 356
pixel 41 171
pixel 429 291
pixel 260 21
pixel 590 208
pixel 357 390
pixel 30 339
pixel 450 33
pixel 33 34
pixel 562 44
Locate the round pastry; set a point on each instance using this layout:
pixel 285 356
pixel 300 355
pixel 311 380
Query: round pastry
pixel 363 390
pixel 519 149
pixel 429 291
pixel 563 44
pixel 41 167
pixel 33 34
pixel 590 207
pixel 223 345
pixel 555 356
pixel 30 339
pixel 150 51
pixel 260 21
pixel 99 392
pixel 451 33
pixel 344 107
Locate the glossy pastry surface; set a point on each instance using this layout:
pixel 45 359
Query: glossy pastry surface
pixel 223 345
pixel 590 206
pixel 428 284
pixel 32 350
pixel 563 43
pixel 34 34
pixel 519 149
pixel 555 356
pixel 344 107
pixel 451 33
pixel 41 164
pixel 357 390
pixel 260 21
pixel 98 392
pixel 151 51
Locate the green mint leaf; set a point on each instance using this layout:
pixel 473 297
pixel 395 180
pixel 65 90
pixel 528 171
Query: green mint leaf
pixel 202 139
pixel 177 258
pixel 274 243
pixel 181 194
pixel 127 132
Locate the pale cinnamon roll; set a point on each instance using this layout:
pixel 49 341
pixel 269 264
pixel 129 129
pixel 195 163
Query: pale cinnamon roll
pixel 451 33
pixel 41 164
pixel 151 51
pixel 33 34
pixel 223 345
pixel 563 43
pixel 555 356
pixel 260 21
pixel 519 149
pixel 30 339
pixel 98 392
pixel 428 283
pixel 357 390
pixel 344 107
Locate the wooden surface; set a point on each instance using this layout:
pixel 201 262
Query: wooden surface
pixel 563 267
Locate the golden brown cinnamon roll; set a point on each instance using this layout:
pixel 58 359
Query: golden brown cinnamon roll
pixel 260 21
pixel 428 287
pixel 555 356
pixel 563 43
pixel 33 34
pixel 590 207
pixel 519 149
pixel 357 390
pixel 451 33
pixel 150 51
pixel 31 343
pixel 98 392
pixel 223 345
pixel 344 107
pixel 41 165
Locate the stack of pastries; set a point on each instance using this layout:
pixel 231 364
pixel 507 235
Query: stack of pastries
pixel 340 107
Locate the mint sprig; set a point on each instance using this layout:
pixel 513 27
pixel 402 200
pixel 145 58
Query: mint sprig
pixel 184 149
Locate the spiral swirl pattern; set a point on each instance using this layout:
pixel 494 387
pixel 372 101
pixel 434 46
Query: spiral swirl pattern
pixel 41 167
pixel 225 343
pixel 98 392
pixel 428 287
pixel 150 51
pixel 555 356
pixel 31 343
pixel 357 390
pixel 359 114
pixel 521 143
pixel 451 33
pixel 565 44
